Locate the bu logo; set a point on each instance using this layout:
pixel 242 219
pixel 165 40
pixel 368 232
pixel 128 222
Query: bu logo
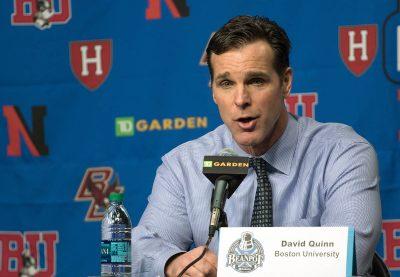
pixel 28 253
pixel 358 46
pixel 302 101
pixel 91 61
pixel 41 13
pixel 96 186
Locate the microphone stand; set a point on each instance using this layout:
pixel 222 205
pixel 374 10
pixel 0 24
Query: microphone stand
pixel 223 220
pixel 218 200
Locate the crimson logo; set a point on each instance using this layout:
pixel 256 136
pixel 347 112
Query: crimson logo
pixel 358 46
pixel 91 61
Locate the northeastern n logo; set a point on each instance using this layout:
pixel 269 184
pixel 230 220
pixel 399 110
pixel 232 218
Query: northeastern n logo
pixel 41 13
pixel 91 61
pixel 358 46
pixel 18 131
pixel 177 8
pixel 96 186
pixel 245 254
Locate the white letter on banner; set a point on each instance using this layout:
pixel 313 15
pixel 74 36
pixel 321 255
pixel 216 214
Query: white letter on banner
pixel 96 60
pixel 398 48
pixel 125 126
pixel 362 45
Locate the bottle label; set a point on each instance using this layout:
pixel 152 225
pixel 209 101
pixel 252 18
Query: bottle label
pixel 116 252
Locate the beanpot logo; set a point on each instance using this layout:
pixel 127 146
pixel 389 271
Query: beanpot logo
pixel 245 254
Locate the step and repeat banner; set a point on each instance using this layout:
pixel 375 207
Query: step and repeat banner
pixel 93 93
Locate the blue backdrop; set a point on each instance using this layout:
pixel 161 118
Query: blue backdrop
pixel 95 92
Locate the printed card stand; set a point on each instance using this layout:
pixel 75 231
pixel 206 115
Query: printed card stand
pixel 286 251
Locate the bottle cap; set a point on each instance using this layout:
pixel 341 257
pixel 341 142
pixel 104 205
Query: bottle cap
pixel 116 197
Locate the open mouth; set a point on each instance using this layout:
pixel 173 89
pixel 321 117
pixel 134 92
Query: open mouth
pixel 246 123
pixel 245 119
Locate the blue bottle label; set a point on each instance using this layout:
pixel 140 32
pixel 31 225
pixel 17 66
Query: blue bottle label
pixel 116 252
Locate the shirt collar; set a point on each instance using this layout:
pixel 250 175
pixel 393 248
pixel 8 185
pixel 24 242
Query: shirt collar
pixel 281 154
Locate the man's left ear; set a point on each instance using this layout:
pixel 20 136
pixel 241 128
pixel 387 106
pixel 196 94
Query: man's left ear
pixel 287 81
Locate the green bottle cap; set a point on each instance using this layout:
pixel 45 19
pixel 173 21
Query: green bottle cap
pixel 116 197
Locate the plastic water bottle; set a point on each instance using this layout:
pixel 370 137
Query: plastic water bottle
pixel 116 239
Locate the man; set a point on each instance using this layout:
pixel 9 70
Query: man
pixel 320 174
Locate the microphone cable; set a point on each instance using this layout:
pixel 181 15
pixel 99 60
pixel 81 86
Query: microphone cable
pixel 198 258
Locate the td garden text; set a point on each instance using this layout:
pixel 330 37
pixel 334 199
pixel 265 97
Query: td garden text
pixel 128 126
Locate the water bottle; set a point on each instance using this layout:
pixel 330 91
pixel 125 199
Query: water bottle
pixel 116 239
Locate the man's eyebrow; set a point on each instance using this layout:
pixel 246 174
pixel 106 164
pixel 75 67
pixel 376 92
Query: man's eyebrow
pixel 222 76
pixel 255 74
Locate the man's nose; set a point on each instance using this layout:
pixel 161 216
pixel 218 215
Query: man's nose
pixel 242 97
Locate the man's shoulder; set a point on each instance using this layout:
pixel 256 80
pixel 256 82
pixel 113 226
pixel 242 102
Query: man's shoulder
pixel 328 133
pixel 208 144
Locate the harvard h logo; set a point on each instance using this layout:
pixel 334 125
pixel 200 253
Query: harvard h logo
pixel 26 11
pixel 358 46
pixel 178 8
pixel 91 61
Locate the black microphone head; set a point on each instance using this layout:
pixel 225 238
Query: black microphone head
pixel 227 166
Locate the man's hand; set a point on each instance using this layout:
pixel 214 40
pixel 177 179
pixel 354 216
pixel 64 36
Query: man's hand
pixel 207 266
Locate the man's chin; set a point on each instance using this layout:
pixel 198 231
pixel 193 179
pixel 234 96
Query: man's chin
pixel 245 141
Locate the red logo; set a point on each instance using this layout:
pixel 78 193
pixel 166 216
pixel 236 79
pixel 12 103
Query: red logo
pixel 306 101
pixel 358 46
pixel 91 61
pixel 178 8
pixel 40 13
pixel 391 243
pixel 17 128
pixel 96 186
pixel 14 249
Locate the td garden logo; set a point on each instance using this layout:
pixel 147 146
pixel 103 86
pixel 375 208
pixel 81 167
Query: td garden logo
pixel 129 126
pixel 245 254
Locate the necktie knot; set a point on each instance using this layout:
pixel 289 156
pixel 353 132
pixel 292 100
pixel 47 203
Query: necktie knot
pixel 259 165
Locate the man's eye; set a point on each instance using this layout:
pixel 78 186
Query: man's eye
pixel 225 83
pixel 257 81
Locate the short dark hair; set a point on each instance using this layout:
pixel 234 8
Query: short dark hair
pixel 242 30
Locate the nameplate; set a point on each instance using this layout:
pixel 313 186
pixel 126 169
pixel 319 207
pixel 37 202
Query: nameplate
pixel 286 251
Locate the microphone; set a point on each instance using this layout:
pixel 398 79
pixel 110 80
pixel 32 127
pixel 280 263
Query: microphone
pixel 226 171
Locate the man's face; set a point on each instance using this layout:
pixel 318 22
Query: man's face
pixel 250 95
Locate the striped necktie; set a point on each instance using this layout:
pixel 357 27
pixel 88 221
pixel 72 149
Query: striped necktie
pixel 262 211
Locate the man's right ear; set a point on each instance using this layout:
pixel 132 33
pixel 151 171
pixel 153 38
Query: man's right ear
pixel 213 96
